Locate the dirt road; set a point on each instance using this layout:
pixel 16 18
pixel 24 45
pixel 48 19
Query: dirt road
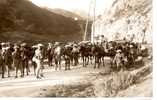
pixel 74 81
pixel 30 86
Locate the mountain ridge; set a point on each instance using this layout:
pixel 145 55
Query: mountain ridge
pixel 23 16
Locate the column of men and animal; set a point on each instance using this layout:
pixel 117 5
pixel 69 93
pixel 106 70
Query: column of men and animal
pixel 26 58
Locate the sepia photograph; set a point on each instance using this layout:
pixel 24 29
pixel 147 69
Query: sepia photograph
pixel 76 48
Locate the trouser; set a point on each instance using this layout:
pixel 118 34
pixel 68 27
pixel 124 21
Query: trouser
pixel 67 63
pixel 57 60
pixel 6 67
pixel 2 68
pixel 120 66
pixel 25 66
pixel 39 68
pixel 75 57
pixel 17 65
pixel 50 60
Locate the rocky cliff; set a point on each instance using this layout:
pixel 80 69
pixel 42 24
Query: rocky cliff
pixel 130 19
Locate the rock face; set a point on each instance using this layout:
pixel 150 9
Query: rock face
pixel 130 19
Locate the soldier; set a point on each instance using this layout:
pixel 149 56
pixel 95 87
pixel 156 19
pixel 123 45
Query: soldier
pixel 67 55
pixel 38 59
pixel 7 60
pixel 2 59
pixel 17 60
pixel 24 58
pixel 130 56
pixel 75 54
pixel 118 60
pixel 56 44
pixel 58 52
pixel 50 54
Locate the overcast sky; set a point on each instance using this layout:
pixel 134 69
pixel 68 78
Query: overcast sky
pixel 101 5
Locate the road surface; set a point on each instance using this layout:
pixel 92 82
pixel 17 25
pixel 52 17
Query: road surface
pixel 30 86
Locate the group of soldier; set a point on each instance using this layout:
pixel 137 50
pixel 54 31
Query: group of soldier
pixel 18 55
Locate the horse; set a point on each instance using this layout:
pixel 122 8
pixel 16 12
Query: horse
pixel 84 51
pixel 98 53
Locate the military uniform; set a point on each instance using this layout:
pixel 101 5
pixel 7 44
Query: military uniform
pixel 7 61
pixel 131 55
pixel 38 59
pixel 57 55
pixel 24 59
pixel 118 60
pixel 67 56
pixel 75 54
pixel 17 60
pixel 1 61
pixel 50 54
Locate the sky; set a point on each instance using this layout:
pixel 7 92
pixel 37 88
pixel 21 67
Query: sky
pixel 83 5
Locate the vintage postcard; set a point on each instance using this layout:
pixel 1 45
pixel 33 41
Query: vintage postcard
pixel 76 48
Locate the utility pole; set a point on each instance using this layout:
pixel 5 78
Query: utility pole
pixel 92 4
pixel 86 27
pixel 93 32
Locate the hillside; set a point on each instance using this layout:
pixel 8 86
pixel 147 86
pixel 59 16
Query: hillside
pixel 65 13
pixel 127 18
pixel 81 13
pixel 19 18
pixel 81 18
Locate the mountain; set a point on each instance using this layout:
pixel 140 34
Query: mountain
pixel 80 15
pixel 66 13
pixel 23 20
pixel 130 19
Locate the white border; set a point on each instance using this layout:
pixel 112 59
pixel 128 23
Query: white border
pixel 139 98
pixel 154 49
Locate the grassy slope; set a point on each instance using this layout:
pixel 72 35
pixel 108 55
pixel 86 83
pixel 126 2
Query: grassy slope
pixel 24 17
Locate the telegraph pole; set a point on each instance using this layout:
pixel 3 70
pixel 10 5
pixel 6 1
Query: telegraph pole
pixel 93 27
pixel 93 2
pixel 86 28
